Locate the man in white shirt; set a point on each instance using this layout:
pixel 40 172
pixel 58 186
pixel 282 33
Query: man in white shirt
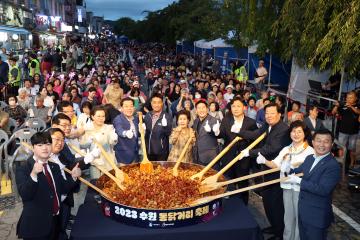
pixel 260 76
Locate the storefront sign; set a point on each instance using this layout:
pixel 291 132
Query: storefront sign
pixel 42 22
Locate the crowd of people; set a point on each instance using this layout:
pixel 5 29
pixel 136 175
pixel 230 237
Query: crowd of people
pixel 182 97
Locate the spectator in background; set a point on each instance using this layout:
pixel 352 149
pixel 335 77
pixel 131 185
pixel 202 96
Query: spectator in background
pixel 295 108
pixel 349 113
pixel 91 98
pixel 251 109
pixel 30 90
pixel 260 115
pixel 24 100
pixel 229 93
pixel 4 73
pixel 279 100
pixel 47 100
pixel 57 60
pixel 313 123
pixel 214 111
pixel 39 110
pixel 260 75
pixel 15 111
pixel 84 120
pixel 260 102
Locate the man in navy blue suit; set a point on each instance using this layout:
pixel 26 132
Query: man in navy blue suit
pixel 40 185
pixel 321 175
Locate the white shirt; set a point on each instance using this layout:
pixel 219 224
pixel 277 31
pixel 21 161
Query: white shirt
pixel 296 160
pixel 317 160
pixel 261 72
pixel 55 159
pixel 228 97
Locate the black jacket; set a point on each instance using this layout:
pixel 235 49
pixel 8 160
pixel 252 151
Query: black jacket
pixel 228 136
pixel 36 217
pixel 270 147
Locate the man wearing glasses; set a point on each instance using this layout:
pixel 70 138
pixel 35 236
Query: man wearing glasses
pixel 41 185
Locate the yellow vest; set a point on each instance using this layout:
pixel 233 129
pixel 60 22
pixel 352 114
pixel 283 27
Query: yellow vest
pixel 37 68
pixel 16 81
pixel 241 74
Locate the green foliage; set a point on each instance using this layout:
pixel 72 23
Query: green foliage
pixel 320 33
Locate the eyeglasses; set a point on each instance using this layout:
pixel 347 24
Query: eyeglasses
pixel 65 125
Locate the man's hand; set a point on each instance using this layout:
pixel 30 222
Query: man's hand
pixel 293 179
pixel 76 172
pixel 37 168
pixel 260 159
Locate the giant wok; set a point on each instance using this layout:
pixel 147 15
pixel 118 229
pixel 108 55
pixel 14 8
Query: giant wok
pixel 161 201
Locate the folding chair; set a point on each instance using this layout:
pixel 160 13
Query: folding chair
pixel 2 105
pixel 37 124
pixel 12 125
pixel 14 153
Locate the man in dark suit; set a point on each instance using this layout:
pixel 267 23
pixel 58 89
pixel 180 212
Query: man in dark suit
pixel 312 122
pixel 230 128
pixel 277 138
pixel 158 129
pixel 40 185
pixel 207 130
pixel 321 175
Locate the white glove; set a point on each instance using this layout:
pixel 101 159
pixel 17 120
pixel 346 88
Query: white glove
pixel 260 159
pixel 207 127
pixel 216 128
pixel 245 152
pixel 88 157
pixel 129 134
pixel 293 179
pixel 143 126
pixel 95 152
pixel 235 128
pixel 164 121
pixel 78 155
pixel 285 166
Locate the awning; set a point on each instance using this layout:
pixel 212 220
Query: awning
pixel 14 30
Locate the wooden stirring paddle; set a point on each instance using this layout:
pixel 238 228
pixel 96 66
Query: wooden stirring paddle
pixel 145 166
pixel 118 173
pixel 210 198
pixel 118 181
pixel 182 154
pixel 200 174
pixel 214 178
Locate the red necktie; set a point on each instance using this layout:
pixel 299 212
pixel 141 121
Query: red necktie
pixel 52 187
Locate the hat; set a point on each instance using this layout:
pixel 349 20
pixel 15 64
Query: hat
pixel 183 82
pixel 229 86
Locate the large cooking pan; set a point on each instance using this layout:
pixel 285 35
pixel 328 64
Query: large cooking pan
pixel 161 218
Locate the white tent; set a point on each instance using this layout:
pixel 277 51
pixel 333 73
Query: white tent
pixel 219 43
pixel 202 44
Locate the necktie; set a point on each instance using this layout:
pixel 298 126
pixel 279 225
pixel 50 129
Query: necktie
pixel 52 187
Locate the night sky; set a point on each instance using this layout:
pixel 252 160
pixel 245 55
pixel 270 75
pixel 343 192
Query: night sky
pixel 115 9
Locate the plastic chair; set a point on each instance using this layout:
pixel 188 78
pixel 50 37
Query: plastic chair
pixel 12 125
pixel 14 153
pixel 3 139
pixel 2 105
pixel 37 124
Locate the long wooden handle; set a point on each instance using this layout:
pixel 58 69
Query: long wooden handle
pixel 142 136
pixel 221 184
pixel 106 155
pixel 28 146
pixel 215 160
pixel 240 156
pixel 103 170
pixel 182 154
pixel 206 199
pixel 89 184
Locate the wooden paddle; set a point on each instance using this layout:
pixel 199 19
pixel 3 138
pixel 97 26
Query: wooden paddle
pixel 145 166
pixel 182 154
pixel 210 198
pixel 214 178
pixel 28 146
pixel 103 170
pixel 200 174
pixel 208 188
pixel 119 174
